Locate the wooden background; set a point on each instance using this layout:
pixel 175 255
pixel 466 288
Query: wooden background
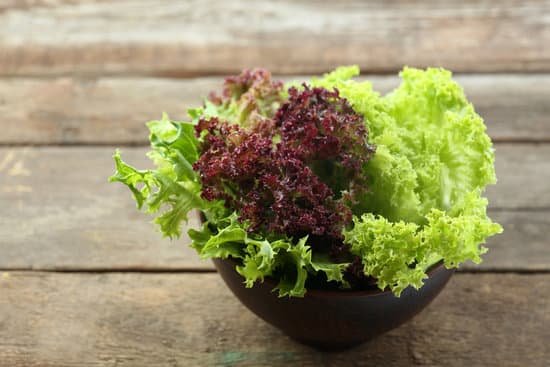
pixel 86 281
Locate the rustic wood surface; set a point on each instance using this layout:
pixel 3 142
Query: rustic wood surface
pixel 111 110
pixel 172 37
pixel 85 280
pixel 193 320
pixel 59 212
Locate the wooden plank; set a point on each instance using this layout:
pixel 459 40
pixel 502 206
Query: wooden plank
pixel 523 173
pixel 106 110
pixel 59 212
pixel 113 110
pixel 181 38
pixel 193 320
pixel 523 246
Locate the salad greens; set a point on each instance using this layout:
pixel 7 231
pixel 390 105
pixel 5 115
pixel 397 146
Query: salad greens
pixel 326 182
pixel 433 159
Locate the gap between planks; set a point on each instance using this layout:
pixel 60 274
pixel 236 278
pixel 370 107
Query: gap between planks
pixel 191 270
pixel 126 144
pixel 213 74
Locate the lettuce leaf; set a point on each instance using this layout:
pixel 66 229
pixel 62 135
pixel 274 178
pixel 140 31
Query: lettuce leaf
pixel 432 162
pixel 173 189
pixel 288 262
pixel 431 145
pixel 399 253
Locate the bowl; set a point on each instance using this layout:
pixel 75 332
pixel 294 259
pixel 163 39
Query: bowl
pixel 333 319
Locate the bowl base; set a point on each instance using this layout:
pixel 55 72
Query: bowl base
pixel 333 320
pixel 330 347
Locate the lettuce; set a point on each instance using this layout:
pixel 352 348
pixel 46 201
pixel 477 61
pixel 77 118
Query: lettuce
pixel 433 160
pixel 422 200
pixel 398 254
pixel 431 146
pixel 173 189
pixel 280 258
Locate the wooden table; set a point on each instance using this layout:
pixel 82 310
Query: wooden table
pixel 86 281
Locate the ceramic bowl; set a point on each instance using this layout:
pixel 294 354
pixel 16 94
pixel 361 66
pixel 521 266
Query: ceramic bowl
pixel 333 319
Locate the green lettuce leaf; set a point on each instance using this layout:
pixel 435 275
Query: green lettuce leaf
pixel 230 111
pixel 432 148
pixel 333 271
pixel 433 160
pixel 173 189
pixel 399 253
pixel 288 262
pixel 294 261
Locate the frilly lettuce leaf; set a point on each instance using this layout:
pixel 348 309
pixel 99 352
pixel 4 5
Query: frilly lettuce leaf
pixel 229 111
pixel 431 146
pixel 333 271
pixel 288 262
pixel 173 189
pixel 442 136
pixel 433 160
pixel 399 253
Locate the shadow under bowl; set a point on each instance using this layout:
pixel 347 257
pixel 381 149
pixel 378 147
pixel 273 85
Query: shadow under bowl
pixel 334 320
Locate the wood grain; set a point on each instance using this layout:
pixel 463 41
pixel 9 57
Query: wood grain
pixel 59 212
pixel 113 110
pixel 171 37
pixel 523 246
pixel 523 171
pixel 161 319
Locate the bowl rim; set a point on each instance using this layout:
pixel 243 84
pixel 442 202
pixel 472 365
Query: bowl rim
pixel 272 283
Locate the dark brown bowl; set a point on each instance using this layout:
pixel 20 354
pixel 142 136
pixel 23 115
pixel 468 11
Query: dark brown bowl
pixel 333 319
